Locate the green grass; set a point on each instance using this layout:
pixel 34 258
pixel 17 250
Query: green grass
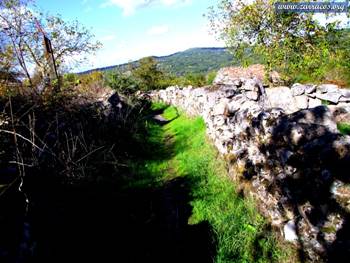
pixel 344 128
pixel 240 233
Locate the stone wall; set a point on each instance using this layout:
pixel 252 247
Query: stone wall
pixel 285 149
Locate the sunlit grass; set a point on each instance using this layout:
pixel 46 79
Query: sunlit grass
pixel 344 128
pixel 239 232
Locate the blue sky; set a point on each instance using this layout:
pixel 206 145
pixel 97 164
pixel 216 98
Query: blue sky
pixel 131 29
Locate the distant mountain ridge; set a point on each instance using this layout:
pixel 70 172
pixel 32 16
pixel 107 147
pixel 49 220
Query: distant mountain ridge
pixel 193 60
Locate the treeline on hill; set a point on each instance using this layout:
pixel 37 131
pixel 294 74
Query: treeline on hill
pixel 197 61
pixel 146 75
pixel 191 61
pixel 196 67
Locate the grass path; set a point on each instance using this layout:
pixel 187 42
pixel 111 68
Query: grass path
pixel 173 203
pixel 179 151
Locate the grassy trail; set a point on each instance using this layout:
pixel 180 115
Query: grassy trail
pixel 174 203
pixel 181 154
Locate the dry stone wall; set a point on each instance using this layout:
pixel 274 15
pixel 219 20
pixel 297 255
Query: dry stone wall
pixel 283 146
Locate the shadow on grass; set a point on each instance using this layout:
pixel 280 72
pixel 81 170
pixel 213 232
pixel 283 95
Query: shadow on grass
pixel 106 218
pixel 101 224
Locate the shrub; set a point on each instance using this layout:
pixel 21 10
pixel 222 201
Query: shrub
pixel 210 77
pixel 121 82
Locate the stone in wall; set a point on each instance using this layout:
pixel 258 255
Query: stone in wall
pixel 282 97
pixel 298 89
pixel 314 102
pixel 326 88
pixel 302 102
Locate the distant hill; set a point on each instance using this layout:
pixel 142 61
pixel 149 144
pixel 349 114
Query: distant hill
pixel 194 60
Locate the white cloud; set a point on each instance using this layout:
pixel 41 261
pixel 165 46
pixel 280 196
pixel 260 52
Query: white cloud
pixel 130 6
pixel 158 30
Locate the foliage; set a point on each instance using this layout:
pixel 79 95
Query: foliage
pixel 197 61
pixel 121 82
pixel 210 77
pixel 144 76
pixel 190 79
pixel 197 80
pixel 148 74
pixel 7 59
pixel 74 137
pixel 130 82
pixel 344 128
pixel 292 43
pixel 20 33
pixel 70 79
pixel 93 77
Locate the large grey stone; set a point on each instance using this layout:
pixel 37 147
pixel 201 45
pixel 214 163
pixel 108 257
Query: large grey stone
pixel 252 95
pixel 199 92
pixel 237 82
pixel 250 85
pixel 345 93
pixel 309 88
pixel 298 89
pixel 220 108
pixel 218 121
pixel 314 102
pixel 235 104
pixel 229 91
pixel 330 96
pixel 281 97
pixel 344 99
pixel 251 106
pixel 320 116
pixel 211 99
pixel 302 102
pixel 311 95
pixel 327 88
pixel 289 231
pixel 341 112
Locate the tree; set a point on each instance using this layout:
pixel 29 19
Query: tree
pixel 288 42
pixel 7 62
pixel 148 74
pixel 23 29
pixel 13 34
pixel 122 82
